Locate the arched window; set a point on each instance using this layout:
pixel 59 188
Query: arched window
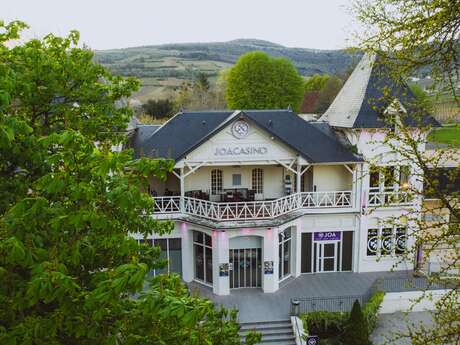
pixel 216 181
pixel 258 180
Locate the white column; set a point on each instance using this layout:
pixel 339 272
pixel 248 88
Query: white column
pixel 365 178
pixel 297 255
pixel 187 251
pixel 298 175
pixel 221 285
pixel 270 254
pixel 358 189
pixel 354 188
pixel 360 244
pixel 182 189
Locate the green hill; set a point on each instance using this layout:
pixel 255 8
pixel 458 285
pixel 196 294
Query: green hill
pixel 164 67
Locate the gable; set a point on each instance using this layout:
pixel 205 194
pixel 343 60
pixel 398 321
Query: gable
pixel 257 145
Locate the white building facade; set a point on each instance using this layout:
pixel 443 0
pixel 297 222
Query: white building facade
pixel 261 197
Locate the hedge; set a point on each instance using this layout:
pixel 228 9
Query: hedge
pixel 331 325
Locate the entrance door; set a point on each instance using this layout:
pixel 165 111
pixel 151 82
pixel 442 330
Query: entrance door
pixel 327 256
pixel 245 268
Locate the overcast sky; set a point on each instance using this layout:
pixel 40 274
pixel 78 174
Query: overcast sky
pixel 103 24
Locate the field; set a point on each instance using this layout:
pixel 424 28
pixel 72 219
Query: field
pixel 446 135
pixel 163 68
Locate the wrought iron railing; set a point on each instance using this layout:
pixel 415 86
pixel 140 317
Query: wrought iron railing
pixel 334 303
pixel 345 303
pixel 264 209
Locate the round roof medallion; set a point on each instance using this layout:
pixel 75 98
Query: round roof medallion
pixel 240 129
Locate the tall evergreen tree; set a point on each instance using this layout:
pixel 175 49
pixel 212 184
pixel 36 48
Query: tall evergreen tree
pixel 356 330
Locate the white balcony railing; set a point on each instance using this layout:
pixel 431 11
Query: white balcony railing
pixel 392 198
pixel 266 209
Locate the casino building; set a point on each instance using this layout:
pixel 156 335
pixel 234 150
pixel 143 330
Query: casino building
pixel 259 197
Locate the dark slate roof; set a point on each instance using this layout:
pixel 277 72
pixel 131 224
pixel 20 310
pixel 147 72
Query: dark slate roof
pixel 188 130
pixel 368 92
pixel 182 132
pixel 315 145
pixel 139 136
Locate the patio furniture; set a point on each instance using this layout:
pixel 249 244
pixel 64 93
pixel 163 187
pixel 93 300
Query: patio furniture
pixel 229 195
pixel 197 194
pixel 288 184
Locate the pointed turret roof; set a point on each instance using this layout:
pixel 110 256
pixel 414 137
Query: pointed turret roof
pixel 367 94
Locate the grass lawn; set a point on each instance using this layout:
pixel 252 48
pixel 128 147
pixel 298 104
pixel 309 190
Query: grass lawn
pixel 446 135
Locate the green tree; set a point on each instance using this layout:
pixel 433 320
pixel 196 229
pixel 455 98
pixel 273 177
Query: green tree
pixel 410 36
pixel 356 331
pixel 69 270
pixel 414 35
pixel 258 81
pixel 422 97
pixel 316 82
pixel 330 90
pixel 159 108
pixel 202 82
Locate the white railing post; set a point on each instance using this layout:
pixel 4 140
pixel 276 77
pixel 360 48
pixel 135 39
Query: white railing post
pixel 182 190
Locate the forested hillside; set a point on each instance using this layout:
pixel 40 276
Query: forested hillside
pixel 164 67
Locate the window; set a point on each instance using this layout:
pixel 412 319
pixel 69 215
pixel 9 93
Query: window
pixel 216 182
pixel 374 178
pixel 202 247
pixel 388 175
pixel 404 175
pixel 401 241
pixel 258 180
pixel 386 241
pixel 372 242
pixel 236 179
pixel 171 250
pixel 284 252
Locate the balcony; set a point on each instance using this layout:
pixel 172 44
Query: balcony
pixel 389 199
pixel 252 210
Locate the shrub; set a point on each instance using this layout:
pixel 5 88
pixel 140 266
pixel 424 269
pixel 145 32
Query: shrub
pixel 325 324
pixel 356 331
pixel 371 309
pixel 331 326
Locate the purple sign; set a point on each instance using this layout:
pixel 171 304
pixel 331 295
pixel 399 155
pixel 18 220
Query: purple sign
pixel 328 236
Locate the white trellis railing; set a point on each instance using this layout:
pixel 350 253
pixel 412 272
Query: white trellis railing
pixel 394 198
pixel 247 210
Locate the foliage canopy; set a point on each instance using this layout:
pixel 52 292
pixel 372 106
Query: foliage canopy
pixel 69 271
pixel 258 81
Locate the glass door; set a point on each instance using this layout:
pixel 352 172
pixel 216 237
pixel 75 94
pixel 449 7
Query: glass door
pixel 245 268
pixel 327 256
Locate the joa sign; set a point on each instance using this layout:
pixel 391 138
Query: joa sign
pixel 327 236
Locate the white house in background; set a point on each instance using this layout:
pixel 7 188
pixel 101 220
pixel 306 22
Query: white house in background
pixel 259 197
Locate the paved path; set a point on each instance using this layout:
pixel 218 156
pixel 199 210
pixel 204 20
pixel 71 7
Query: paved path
pixel 254 305
pixel 390 325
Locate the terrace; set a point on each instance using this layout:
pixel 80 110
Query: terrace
pixel 253 210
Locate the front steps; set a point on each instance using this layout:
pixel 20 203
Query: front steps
pixel 273 332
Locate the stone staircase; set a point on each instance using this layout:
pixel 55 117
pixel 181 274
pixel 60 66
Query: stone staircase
pixel 273 332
